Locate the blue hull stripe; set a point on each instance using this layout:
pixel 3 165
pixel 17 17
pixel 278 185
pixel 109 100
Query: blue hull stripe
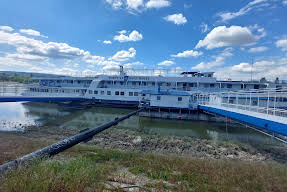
pixel 273 126
pixel 18 99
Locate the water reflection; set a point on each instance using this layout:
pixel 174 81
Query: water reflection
pixel 59 117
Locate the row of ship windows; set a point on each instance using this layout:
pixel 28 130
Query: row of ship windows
pixel 122 93
pixel 159 98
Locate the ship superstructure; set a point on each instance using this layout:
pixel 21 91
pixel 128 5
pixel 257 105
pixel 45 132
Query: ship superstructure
pixel 125 89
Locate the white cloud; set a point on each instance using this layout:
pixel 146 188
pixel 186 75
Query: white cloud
pixel 32 32
pixel 166 63
pixel 204 27
pixel 264 68
pixel 133 64
pixel 219 60
pixel 257 49
pixel 6 28
pixel 226 16
pixel 188 53
pixel 135 4
pixel 116 4
pixel 157 3
pixel 282 43
pixel 223 36
pixel 138 6
pixel 133 36
pixel 177 19
pixel 124 55
pixel 107 42
pixel 25 57
pixel 284 2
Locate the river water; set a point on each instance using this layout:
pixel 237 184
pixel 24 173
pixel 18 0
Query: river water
pixel 20 116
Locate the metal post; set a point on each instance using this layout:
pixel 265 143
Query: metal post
pixel 250 101
pixel 258 102
pixel 268 94
pixel 274 100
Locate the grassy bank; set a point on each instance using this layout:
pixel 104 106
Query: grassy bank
pixel 87 168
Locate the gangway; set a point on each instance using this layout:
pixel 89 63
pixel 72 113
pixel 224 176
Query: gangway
pixel 263 108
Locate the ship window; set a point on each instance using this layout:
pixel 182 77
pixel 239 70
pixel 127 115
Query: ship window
pixel 179 99
pixel 222 85
pixel 153 83
pixel 231 101
pixel 209 75
pixel 191 84
pixel 102 92
pixel 136 93
pixel 158 98
pixel 168 84
pixel 121 83
pixel 108 92
pixel 109 82
pixel 212 85
pixel 206 85
pixel 243 86
pixel 95 92
pixel 117 93
pixel 256 86
pixel 122 93
pixel 90 92
pixel 131 94
pixel 133 83
pixel 229 86
pixel 254 103
pixel 144 83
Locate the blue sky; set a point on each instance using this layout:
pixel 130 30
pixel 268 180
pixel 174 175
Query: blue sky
pixel 89 36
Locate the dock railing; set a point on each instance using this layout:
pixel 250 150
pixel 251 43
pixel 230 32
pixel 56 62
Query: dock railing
pixel 272 101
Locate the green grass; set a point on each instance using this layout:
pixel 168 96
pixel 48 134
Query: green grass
pixel 86 168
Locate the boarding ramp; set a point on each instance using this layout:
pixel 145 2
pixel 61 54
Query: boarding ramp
pixel 264 108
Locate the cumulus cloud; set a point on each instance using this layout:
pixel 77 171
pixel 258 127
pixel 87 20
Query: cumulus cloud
pixel 223 36
pixel 25 45
pixel 282 43
pixel 124 37
pixel 107 42
pixel 134 4
pixel 124 55
pixel 264 68
pixel 32 32
pixel 33 55
pixel 6 28
pixel 157 4
pixel 219 60
pixel 284 2
pixel 166 63
pixel 138 6
pixel 188 53
pixel 257 49
pixel 226 16
pixel 177 19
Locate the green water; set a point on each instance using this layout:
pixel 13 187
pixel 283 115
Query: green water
pixel 19 116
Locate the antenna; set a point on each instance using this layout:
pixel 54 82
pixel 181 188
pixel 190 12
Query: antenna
pixel 251 68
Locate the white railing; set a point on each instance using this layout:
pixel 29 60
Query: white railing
pixel 267 101
pixel 12 89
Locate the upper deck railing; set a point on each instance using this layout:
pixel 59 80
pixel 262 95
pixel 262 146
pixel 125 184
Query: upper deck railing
pixel 270 101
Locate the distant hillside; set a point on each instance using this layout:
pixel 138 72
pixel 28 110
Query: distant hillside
pixel 26 74
pixel 23 77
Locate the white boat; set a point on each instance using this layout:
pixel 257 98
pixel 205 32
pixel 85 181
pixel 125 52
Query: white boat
pixel 123 89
